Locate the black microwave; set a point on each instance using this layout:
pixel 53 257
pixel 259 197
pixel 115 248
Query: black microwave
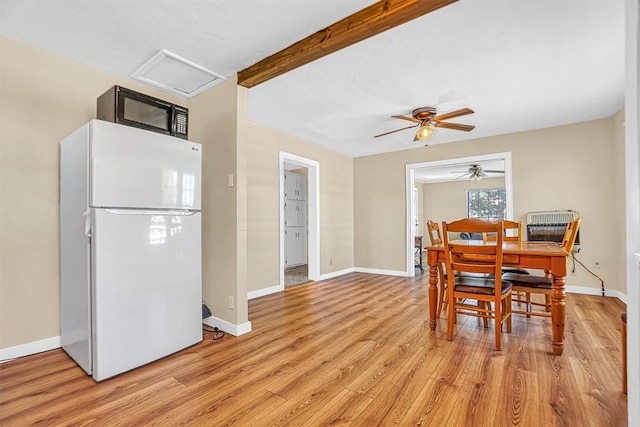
pixel 127 107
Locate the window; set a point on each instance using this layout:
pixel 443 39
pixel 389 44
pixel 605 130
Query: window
pixel 487 203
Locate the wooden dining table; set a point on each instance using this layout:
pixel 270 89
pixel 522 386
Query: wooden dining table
pixel 546 256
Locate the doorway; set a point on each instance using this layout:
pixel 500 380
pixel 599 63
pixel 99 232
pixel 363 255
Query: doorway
pixel 441 165
pixel 296 268
pixel 304 198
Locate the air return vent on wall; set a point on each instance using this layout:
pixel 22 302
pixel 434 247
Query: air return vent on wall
pixel 176 75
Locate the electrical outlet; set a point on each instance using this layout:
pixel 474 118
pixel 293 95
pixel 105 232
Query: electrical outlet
pixel 230 180
pixel 596 265
pixel 231 303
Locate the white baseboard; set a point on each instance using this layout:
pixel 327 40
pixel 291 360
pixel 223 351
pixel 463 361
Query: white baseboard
pixel 383 272
pixel 29 348
pixel 275 289
pixel 622 297
pixel 595 291
pixel 265 291
pixel 336 273
pixel 230 328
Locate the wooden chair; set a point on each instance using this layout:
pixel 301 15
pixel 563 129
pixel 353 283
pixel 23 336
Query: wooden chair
pixel 508 225
pixel 433 231
pixel 483 259
pixel 517 296
pixel 541 285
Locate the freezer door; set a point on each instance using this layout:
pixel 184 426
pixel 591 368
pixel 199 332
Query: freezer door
pixel 135 168
pixel 147 288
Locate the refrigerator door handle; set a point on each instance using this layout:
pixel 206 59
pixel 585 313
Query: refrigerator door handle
pixel 172 212
pixel 87 223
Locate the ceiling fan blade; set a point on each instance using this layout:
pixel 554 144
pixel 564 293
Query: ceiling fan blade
pixel 462 176
pixel 492 171
pixel 411 119
pixel 451 115
pixel 393 131
pixel 455 126
pixel 415 138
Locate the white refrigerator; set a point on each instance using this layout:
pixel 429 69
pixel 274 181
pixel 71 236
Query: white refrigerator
pixel 130 243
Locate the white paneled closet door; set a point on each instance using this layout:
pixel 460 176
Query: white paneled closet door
pixel 296 250
pixel 295 186
pixel 295 211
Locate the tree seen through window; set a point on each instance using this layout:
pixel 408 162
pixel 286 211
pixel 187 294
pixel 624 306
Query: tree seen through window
pixel 487 203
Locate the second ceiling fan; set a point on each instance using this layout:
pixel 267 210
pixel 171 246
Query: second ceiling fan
pixel 427 121
pixel 476 173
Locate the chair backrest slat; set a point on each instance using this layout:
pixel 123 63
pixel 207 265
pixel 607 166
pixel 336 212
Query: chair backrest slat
pixel 433 230
pixel 483 257
pixel 508 225
pixel 570 234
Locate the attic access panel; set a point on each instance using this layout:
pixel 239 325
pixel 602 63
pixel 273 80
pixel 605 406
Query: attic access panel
pixel 176 75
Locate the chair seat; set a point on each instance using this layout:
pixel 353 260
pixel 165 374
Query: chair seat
pixel 528 280
pixel 479 285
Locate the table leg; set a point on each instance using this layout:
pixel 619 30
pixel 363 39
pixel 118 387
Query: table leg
pixel 558 313
pixel 433 297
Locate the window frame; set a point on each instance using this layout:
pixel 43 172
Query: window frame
pixel 503 190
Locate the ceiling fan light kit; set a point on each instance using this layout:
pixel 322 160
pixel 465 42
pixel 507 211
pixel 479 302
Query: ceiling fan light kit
pixel 425 132
pixel 427 122
pixel 477 176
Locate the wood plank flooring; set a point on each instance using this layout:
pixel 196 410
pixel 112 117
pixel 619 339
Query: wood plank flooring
pixel 356 351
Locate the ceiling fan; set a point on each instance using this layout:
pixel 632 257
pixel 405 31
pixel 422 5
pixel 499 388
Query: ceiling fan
pixel 476 173
pixel 427 121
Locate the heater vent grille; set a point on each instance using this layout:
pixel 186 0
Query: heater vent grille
pixel 551 217
pixel 550 226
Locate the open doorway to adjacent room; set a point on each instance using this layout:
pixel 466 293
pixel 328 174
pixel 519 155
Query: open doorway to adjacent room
pixel 296 268
pixel 450 189
pixel 299 243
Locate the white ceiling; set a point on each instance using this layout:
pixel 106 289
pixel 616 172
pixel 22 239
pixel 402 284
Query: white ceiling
pixel 519 64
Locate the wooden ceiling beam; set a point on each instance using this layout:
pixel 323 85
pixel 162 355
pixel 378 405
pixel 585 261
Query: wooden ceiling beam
pixel 375 19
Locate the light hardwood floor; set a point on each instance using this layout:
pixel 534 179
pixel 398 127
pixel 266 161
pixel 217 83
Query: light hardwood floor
pixel 354 350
